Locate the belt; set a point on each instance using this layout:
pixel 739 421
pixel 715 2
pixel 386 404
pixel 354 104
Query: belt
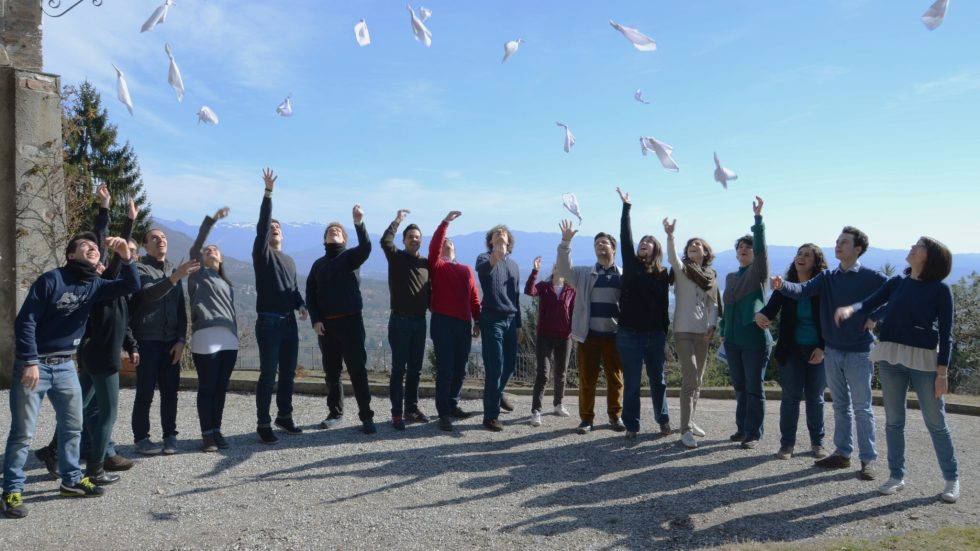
pixel 341 316
pixel 54 359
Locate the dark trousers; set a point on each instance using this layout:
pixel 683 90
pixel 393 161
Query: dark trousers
pixel 343 343
pixel 801 380
pixel 213 374
pixel 278 341
pixel 102 389
pixel 747 367
pixel 555 351
pixel 156 369
pixel 452 340
pixel 406 336
pixel 499 360
pixel 637 348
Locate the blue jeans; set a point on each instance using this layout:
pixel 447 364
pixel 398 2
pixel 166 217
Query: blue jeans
pixel 849 379
pixel 406 336
pixel 213 374
pixel 155 369
pixel 636 348
pixel 801 380
pixel 747 368
pixel 895 382
pixel 59 383
pixel 452 340
pixel 499 338
pixel 278 340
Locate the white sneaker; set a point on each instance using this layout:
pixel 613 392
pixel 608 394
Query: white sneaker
pixel 688 440
pixel 951 492
pixel 698 431
pixel 535 418
pixel 560 411
pixel 331 422
pixel 892 486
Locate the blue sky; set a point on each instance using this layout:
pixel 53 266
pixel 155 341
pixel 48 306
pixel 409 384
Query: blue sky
pixel 835 112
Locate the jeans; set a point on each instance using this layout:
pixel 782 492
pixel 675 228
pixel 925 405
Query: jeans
pixel 635 349
pixel 895 382
pixel 59 383
pixel 590 352
pixel 747 367
pixel 556 350
pixel 801 380
pixel 499 339
pixel 452 340
pixel 278 340
pixel 849 379
pixel 342 343
pixel 692 351
pixel 155 369
pixel 406 336
pixel 213 374
pixel 104 388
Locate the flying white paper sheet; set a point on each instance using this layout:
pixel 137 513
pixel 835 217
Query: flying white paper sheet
pixel 569 137
pixel 122 91
pixel 640 41
pixel 638 96
pixel 511 47
pixel 722 174
pixel 285 109
pixel 159 16
pixel 173 77
pixel 361 33
pixel 662 150
pixel 424 13
pixel 207 116
pixel 933 17
pixel 421 33
pixel 571 203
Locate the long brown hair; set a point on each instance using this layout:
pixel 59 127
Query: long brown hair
pixel 819 263
pixel 654 261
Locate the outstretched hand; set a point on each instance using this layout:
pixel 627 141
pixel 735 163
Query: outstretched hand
pixel 625 197
pixel 402 214
pixel 757 205
pixel 537 264
pixel 269 178
pixel 187 268
pixel 776 282
pixel 669 227
pixel 567 232
pixel 453 214
pixel 221 213
pixel 103 193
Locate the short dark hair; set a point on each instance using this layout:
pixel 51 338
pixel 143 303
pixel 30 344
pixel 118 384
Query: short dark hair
pixel 746 239
pixel 602 234
pixel 149 231
pixel 409 228
pixel 510 237
pixel 860 238
pixel 343 230
pixel 819 262
pixel 939 261
pixel 78 237
pixel 274 221
pixel 709 255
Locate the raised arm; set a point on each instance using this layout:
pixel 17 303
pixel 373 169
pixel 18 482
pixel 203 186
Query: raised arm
pixel 388 237
pixel 563 262
pixel 112 272
pixel 439 239
pixel 128 282
pixel 261 245
pixel 530 288
pixel 360 253
pixel 101 227
pixel 675 262
pixel 626 231
pixel 760 263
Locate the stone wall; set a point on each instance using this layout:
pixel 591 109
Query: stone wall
pixel 20 34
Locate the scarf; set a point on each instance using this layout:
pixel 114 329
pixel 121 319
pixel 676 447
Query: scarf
pixel 82 270
pixel 333 250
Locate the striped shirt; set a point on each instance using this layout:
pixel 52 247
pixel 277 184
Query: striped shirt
pixel 604 304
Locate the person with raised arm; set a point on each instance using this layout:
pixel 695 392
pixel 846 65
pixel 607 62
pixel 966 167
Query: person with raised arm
pixel 697 308
pixel 847 363
pixel 799 353
pixel 594 323
pixel 47 331
pixel 643 321
pixel 333 294
pixel 747 346
pixel 409 289
pixel 553 342
pixel 455 321
pixel 276 333
pixel 915 351
pixel 214 337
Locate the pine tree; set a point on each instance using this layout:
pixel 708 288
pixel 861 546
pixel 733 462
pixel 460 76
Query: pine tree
pixel 93 155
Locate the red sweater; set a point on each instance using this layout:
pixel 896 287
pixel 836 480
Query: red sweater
pixel 554 310
pixel 454 292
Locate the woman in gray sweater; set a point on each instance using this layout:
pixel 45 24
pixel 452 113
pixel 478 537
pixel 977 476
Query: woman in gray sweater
pixel 214 341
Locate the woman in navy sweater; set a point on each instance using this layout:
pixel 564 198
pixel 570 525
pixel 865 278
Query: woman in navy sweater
pixel 918 320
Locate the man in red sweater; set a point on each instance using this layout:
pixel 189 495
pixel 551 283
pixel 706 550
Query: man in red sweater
pixel 455 307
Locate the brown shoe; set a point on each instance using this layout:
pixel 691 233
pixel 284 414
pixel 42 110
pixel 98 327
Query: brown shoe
pixel 506 404
pixel 834 462
pixel 493 424
pixel 819 452
pixel 117 463
pixel 785 452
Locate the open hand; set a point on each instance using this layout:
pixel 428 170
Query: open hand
pixel 669 227
pixel 567 233
pixel 757 205
pixel 625 197
pixel 269 178
pixel 453 214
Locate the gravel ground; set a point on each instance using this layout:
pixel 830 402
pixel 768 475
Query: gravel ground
pixel 522 488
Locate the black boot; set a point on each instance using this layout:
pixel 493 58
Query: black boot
pixel 98 475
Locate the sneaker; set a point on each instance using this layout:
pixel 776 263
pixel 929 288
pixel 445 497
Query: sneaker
pixel 749 443
pixel 219 440
pixel 117 463
pixel 13 505
pixel 267 436
pixel 494 425
pixel 951 492
pixel 631 439
pixel 398 422
pixel 617 425
pixel 867 471
pixel 367 427
pixel 446 423
pixel 96 473
pixel 207 444
pixel 834 462
pixel 50 459
pixel 819 451
pixel 785 452
pixel 697 431
pixel 891 487
pixel 737 436
pixel 82 488
pixel 288 426
pixel 688 441
pixel 560 411
pixel 665 428
pixel 148 447
pixel 417 416
pixel 458 413
pixel 585 427
pixel 170 444
pixel 506 404
pixel 332 420
pixel 535 418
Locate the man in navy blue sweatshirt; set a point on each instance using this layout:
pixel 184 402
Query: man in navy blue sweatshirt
pixel 848 345
pixel 48 330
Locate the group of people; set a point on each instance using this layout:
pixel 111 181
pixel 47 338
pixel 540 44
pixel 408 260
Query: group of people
pixel 78 319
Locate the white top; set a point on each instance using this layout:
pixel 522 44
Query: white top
pixel 695 310
pixel 919 359
pixel 213 339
